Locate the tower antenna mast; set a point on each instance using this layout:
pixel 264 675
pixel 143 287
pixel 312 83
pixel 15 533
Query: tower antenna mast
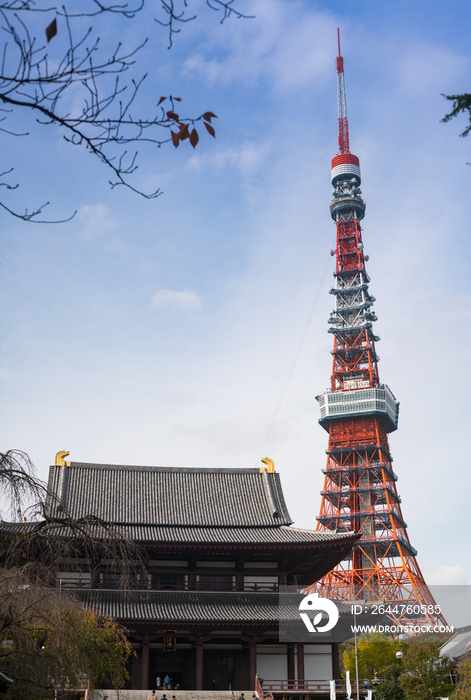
pixel 344 146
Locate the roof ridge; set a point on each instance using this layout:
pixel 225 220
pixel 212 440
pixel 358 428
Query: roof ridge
pixel 199 526
pixel 326 532
pixel 137 467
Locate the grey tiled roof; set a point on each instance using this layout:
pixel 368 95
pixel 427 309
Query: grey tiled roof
pixel 207 536
pixel 458 646
pixel 184 505
pixel 183 606
pixel 241 535
pixel 191 606
pixel 166 496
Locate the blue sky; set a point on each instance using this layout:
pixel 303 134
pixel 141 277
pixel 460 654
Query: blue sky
pixel 163 332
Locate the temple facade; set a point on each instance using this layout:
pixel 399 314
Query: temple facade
pixel 216 545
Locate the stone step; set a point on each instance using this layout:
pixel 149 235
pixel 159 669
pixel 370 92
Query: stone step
pixel 178 694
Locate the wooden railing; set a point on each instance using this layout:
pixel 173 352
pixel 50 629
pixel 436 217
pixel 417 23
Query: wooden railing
pixel 74 583
pixel 262 694
pixel 305 687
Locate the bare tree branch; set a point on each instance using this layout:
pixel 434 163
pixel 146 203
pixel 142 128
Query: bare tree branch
pixel 38 543
pixel 18 482
pixel 99 80
pixel 174 15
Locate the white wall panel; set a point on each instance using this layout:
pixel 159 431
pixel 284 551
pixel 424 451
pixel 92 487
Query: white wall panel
pixel 318 665
pixel 272 662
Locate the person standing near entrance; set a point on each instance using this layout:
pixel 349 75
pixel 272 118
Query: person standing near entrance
pixel 158 682
pixel 166 681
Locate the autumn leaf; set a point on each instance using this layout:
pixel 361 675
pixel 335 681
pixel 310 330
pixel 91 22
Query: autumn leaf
pixel 177 99
pixel 51 30
pixel 194 138
pixel 161 100
pixel 175 139
pixel 172 115
pixel 210 129
pixel 208 116
pixel 184 131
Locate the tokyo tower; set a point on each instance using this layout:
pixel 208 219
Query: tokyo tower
pixel 358 412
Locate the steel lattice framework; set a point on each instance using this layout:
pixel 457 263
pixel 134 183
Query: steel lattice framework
pixel 358 412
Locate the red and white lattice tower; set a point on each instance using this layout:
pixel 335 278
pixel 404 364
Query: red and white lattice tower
pixel 358 412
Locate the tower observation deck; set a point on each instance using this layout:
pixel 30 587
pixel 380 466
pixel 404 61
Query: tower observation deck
pixel 359 412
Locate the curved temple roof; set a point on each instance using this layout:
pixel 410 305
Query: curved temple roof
pixel 169 496
pixel 185 505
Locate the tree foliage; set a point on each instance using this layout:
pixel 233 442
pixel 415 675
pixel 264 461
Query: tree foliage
pixel 70 78
pixel 427 675
pixel 390 688
pixel 422 675
pixel 376 653
pixel 461 103
pixel 463 689
pixel 48 642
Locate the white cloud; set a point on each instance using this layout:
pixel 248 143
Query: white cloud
pixel 282 36
pixel 184 299
pixel 247 159
pixel 414 72
pixel 96 218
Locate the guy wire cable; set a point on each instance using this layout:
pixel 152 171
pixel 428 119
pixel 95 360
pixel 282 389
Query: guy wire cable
pixel 293 363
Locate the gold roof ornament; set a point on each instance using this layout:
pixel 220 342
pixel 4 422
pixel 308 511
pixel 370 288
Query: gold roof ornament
pixel 270 468
pixel 60 458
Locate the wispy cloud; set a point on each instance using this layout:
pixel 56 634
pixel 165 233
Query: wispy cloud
pixel 183 299
pixel 268 48
pixel 96 218
pixel 413 68
pixel 247 159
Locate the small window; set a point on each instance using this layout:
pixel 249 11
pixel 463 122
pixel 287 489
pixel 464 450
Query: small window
pixel 261 583
pixel 110 580
pixel 215 582
pixel 169 581
pixel 74 579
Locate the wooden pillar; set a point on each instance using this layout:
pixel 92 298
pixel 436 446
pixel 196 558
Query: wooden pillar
pixel 291 672
pixel 191 574
pixel 199 664
pixel 300 664
pixel 240 563
pixel 253 662
pixel 335 661
pixel 145 664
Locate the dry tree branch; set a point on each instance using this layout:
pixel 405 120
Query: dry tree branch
pixel 31 82
pixel 40 539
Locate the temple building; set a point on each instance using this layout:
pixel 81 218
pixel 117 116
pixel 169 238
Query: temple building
pixel 217 545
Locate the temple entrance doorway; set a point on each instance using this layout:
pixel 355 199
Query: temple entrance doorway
pixel 218 670
pixel 171 665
